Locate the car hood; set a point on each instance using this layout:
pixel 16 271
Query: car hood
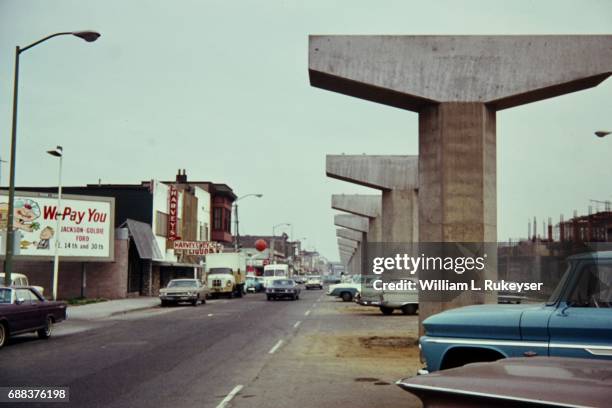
pixel 344 286
pixel 478 321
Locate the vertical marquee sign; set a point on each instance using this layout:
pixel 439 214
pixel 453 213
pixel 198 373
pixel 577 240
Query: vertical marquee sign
pixel 173 214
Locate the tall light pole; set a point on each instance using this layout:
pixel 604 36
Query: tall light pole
pixel 237 235
pixel 272 244
pixel 88 36
pixel 57 152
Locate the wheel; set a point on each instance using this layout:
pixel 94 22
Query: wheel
pixel 194 302
pixel 409 309
pixel 386 310
pixel 297 297
pixel 346 296
pixel 4 335
pixel 45 333
pixel 164 303
pixel 204 300
pixel 269 297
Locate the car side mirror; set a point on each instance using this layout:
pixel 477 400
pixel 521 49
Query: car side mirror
pixel 19 301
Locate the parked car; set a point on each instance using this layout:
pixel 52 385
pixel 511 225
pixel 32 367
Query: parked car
pixel 19 279
pixel 405 300
pixel 314 282
pixel 299 279
pixel 183 290
pixel 575 322
pixel 517 382
pixel 254 284
pixel 346 291
pixel 283 288
pixel 24 310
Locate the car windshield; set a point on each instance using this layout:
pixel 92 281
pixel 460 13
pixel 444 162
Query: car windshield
pixel 5 296
pixel 220 271
pixel 274 272
pixel 554 297
pixel 283 282
pixel 182 284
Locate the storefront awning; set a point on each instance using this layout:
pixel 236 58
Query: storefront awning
pixel 144 239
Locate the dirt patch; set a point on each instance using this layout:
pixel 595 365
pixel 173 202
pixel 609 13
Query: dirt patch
pixel 381 346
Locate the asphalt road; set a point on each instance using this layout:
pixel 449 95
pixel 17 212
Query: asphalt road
pixel 246 352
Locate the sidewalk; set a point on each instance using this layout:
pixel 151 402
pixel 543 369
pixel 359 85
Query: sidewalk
pixel 109 308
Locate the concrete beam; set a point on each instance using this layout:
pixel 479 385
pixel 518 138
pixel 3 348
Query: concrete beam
pixel 350 221
pixel 365 205
pixel 348 243
pixel 412 72
pixel 379 172
pixel 349 234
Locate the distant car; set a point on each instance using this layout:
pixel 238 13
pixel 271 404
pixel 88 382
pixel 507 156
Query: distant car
pixel 517 382
pixel 299 279
pixel 19 279
pixel 23 310
pixel 254 284
pixel 283 288
pixel 575 322
pixel 314 282
pixel 183 290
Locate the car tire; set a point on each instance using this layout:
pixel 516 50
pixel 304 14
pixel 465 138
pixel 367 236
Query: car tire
pixel 164 303
pixel 346 296
pixel 409 309
pixel 204 300
pixel 195 301
pixel 269 297
pixel 386 310
pixel 45 332
pixel 4 334
pixel 297 297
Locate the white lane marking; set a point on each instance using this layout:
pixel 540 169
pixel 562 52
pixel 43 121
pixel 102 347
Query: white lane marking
pixel 210 314
pixel 230 396
pixel 276 346
pixel 307 313
pixel 297 324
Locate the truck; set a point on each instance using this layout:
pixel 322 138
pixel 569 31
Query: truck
pixel 274 271
pixel 226 274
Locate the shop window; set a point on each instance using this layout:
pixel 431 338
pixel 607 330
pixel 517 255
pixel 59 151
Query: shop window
pixel 161 224
pixel 217 218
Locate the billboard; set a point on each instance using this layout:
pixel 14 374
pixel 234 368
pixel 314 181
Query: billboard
pixel 86 226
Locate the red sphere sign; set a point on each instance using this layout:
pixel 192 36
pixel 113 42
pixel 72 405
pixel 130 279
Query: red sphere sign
pixel 260 245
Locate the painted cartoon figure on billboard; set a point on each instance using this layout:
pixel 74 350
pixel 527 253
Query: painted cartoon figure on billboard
pixel 25 214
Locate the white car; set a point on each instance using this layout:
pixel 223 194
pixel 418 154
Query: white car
pixel 314 282
pixel 19 279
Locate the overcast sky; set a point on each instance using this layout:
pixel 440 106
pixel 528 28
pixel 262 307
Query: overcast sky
pixel 221 89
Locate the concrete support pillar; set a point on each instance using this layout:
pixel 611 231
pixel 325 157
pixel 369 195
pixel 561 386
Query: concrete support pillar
pixel 456 84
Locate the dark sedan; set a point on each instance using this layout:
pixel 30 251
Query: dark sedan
pixel 24 310
pixel 283 288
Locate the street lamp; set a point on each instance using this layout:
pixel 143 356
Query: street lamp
pixel 237 237
pixel 602 133
pixel 88 36
pixel 272 244
pixel 57 152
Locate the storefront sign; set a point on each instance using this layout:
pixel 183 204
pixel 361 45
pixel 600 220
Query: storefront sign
pixel 197 247
pixel 86 225
pixel 173 214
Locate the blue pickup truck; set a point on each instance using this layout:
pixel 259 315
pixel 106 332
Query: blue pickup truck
pixel 575 322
